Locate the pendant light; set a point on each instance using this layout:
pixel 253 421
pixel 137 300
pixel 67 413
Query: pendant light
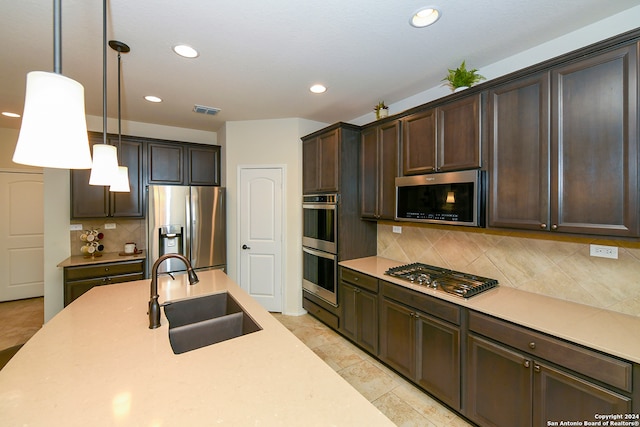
pixel 53 133
pixel 121 184
pixel 104 169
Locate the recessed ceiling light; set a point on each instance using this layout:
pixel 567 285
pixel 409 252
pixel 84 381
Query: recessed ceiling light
pixel 152 98
pixel 185 51
pixel 10 114
pixel 425 17
pixel 318 88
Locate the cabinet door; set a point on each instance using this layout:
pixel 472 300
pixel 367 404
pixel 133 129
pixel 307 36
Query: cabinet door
pixel 419 143
pixel 329 161
pixel 518 154
pixel 369 173
pixel 595 139
pixel 165 163
pixel 439 359
pixel 499 385
pixel 310 164
pixel 129 204
pixel 559 395
pixel 348 321
pixel 398 337
pixel 204 165
pixel 388 169
pixel 367 320
pixel 88 201
pixel 459 134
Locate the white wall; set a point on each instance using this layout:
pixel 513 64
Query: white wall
pixel 612 26
pixel 269 142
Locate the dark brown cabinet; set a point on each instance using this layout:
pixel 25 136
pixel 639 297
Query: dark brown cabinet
pixel 166 163
pixel 96 201
pixel 359 305
pixel 509 382
pixel 321 163
pixel 443 138
pixel 79 279
pixel 379 166
pixel 580 175
pixel 419 344
pixel 203 165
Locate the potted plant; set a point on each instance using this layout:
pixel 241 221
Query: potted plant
pixel 461 78
pixel 381 110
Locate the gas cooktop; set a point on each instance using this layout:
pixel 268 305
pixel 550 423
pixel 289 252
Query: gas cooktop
pixel 454 282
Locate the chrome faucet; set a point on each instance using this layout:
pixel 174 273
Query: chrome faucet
pixel 154 307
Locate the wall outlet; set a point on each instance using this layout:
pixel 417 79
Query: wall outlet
pixel 110 226
pixel 603 251
pixel 75 227
pixel 397 229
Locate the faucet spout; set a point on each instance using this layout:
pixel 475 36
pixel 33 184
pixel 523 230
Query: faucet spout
pixel 154 306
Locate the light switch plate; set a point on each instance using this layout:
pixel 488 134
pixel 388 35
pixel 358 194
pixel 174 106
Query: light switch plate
pixel 603 251
pixel 397 229
pixel 75 227
pixel 110 226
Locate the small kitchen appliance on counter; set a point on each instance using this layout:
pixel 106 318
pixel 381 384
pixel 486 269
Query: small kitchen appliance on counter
pixel 454 282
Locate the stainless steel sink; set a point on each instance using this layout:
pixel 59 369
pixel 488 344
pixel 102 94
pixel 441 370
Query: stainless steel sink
pixel 202 321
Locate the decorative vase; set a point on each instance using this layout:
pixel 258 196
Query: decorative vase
pixel 382 113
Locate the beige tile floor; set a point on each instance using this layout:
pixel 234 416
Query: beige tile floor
pixel 399 400
pixel 19 320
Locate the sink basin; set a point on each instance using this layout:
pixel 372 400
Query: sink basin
pixel 202 321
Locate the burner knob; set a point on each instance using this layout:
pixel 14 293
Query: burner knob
pixel 434 284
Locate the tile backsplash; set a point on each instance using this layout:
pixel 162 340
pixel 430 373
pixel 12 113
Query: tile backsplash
pixel 556 265
pixel 127 230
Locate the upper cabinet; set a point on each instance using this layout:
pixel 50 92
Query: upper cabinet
pixel 96 201
pixel 580 175
pixel 328 158
pixel 149 161
pixel 443 138
pixel 379 166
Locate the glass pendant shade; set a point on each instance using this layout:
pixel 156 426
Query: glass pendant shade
pixel 105 165
pixel 54 127
pixel 121 183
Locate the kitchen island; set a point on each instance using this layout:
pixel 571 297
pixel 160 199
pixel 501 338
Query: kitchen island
pixel 98 363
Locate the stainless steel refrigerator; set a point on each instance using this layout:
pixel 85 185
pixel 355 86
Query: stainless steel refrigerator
pixel 187 220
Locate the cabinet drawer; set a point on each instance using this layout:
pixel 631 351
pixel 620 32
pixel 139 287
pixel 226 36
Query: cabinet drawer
pixel 359 279
pixel 430 305
pixel 102 270
pixel 316 311
pixel 598 366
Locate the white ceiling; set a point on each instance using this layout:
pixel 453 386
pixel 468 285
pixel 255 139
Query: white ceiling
pixel 258 58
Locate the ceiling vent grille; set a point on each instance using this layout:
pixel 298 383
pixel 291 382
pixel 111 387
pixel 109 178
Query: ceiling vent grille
pixel 212 111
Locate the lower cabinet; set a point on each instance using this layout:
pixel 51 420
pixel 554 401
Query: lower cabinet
pixel 358 295
pixel 420 346
pixel 509 387
pixel 79 279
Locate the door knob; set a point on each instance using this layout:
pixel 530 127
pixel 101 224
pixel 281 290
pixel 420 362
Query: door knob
pixel 245 247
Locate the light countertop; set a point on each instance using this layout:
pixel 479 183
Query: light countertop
pixel 78 260
pixel 97 363
pixel 604 330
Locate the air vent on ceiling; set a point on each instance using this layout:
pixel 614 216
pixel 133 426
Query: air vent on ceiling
pixel 206 110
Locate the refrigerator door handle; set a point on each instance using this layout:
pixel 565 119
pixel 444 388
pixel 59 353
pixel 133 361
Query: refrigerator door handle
pixel 189 238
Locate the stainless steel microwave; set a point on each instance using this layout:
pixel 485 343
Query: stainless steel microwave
pixel 453 198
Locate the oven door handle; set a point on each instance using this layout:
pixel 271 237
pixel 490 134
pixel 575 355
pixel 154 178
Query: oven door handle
pixel 331 207
pixel 319 253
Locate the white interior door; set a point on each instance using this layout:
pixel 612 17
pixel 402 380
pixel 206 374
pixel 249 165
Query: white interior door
pixel 21 236
pixel 261 217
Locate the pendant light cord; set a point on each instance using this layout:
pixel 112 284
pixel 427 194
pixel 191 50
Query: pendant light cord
pixel 104 72
pixel 57 37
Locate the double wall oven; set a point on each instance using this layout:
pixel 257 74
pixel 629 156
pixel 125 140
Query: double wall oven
pixel 320 246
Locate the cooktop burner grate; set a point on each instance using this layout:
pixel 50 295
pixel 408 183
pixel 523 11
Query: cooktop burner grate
pixel 454 282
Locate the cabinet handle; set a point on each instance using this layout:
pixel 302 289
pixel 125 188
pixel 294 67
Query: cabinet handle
pixel 543 226
pixel 554 227
pixel 106 269
pixel 526 363
pixel 355 279
pixel 536 368
pixel 532 345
